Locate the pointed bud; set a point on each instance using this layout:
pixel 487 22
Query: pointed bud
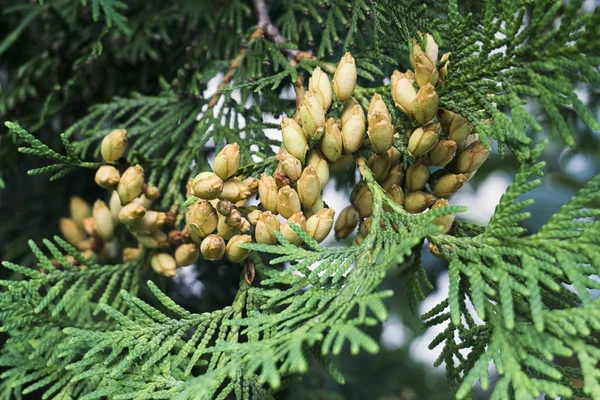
pixel 395 155
pixel 234 190
pixel 131 184
pixel 317 160
pixel 71 231
pixel 212 247
pixel 312 116
pixel 425 70
pixel 444 70
pixel 396 194
pixel 448 184
pixel 294 138
pixel 403 91
pixel 113 145
pixel 131 213
pixel 233 252
pixel 353 130
pixel 309 187
pixel 225 230
pixel 444 221
pixel 472 157
pixel 442 153
pixel 344 78
pixel 291 166
pixel 130 254
pixel 379 164
pixel 224 207
pixel 164 264
pixel 150 222
pixel 319 225
pixel 107 177
pixel 341 164
pixel 186 254
pixel 266 227
pixel 288 233
pixel 362 200
pixel 394 177
pixel 105 226
pixel 377 106
pixel 416 202
pixel 227 162
pixel 201 219
pixel 346 222
pixel 426 104
pixel 331 142
pixel 381 133
pixel 319 84
pixel 80 210
pixel 254 216
pixel 207 186
pixel 154 240
pixel 421 141
pixel 288 201
pixel 267 192
pixel 460 128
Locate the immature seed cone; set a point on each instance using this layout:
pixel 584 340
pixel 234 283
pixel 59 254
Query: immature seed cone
pixel 312 116
pixel 444 221
pixel 266 227
pixel 225 230
pixel 425 70
pixel 291 166
pixel 201 219
pixel 347 110
pixel 319 225
pixel 288 233
pixel 444 70
pixel 362 200
pixel 186 254
pixel 207 186
pixel 472 157
pixel 89 226
pixel 212 247
pixel 341 164
pixel 288 202
pixel 143 200
pixel 403 91
pixel 416 202
pixel 107 177
pixel 224 207
pixel 379 164
pixel 344 78
pixel 130 254
pixel 353 129
pixel 252 184
pixel 426 104
pixel 395 155
pixel 331 142
pixel 152 193
pixel 131 184
pixel 131 213
pixel 254 216
pixel 79 209
pixel 442 153
pixel 164 264
pixel 394 177
pixel 318 206
pixel 346 222
pixel 309 187
pixel 113 145
pixel 105 226
pixel 431 51
pixel 267 192
pixel 319 84
pixel 417 176
pixel 448 184
pixel 317 160
pixel 377 106
pixel 472 138
pixel 233 252
pixel 234 190
pixel 150 222
pixel 395 193
pixel 153 240
pixel 71 231
pixel 459 128
pixel 227 161
pixel 294 138
pixel 381 133
pixel 421 141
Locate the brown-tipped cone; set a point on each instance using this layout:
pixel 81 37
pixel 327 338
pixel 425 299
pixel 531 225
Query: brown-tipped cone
pixel 227 161
pixel 319 225
pixel 288 202
pixel 331 142
pixel 344 78
pixel 224 207
pixel 472 157
pixel 107 177
pixel 403 91
pixel 212 247
pixel 380 165
pixel 346 222
pixel 131 184
pixel 233 252
pixel 201 219
pixel 186 254
pixel 79 210
pixel 267 192
pixel 164 264
pixel 317 160
pixel 207 186
pixel 426 104
pixel 234 190
pixel 131 213
pixel 288 233
pixel 442 153
pixel 113 145
pixel 105 226
pixel 319 84
pixel 444 221
pixel 416 202
pixel 291 166
pixel 294 138
pixel 312 116
pixel 417 176
pixel 354 130
pixel 266 227
pixel 448 184
pixel 309 187
pixel 71 231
